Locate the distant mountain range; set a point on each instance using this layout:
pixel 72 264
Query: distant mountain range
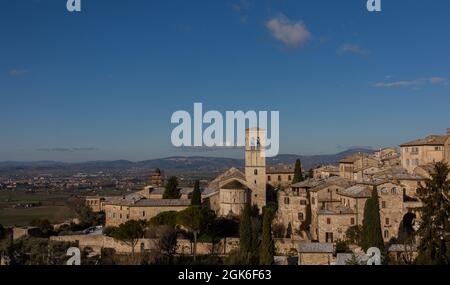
pixel 176 164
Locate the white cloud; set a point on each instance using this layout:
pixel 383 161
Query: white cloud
pixel 17 72
pixel 410 83
pixel 292 34
pixel 352 48
pixel 437 80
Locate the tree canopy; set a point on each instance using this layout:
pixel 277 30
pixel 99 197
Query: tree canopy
pixel 372 235
pixel 196 199
pixel 171 190
pixel 298 172
pixel 130 233
pixel 434 228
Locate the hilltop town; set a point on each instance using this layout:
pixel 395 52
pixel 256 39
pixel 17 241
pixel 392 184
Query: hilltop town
pixel 314 217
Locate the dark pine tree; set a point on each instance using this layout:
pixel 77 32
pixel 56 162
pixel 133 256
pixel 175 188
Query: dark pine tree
pixel 267 248
pixel 372 235
pixel 434 228
pixel 298 173
pixel 245 235
pixel 196 199
pixel 172 191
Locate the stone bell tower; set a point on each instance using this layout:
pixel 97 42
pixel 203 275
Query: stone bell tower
pixel 255 165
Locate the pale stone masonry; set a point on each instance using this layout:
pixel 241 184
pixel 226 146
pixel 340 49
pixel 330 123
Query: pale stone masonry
pixel 433 148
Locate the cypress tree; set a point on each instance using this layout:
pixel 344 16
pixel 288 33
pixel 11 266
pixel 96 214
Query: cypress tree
pixel 372 235
pixel 267 248
pixel 196 199
pixel 434 228
pixel 245 235
pixel 172 191
pixel 298 173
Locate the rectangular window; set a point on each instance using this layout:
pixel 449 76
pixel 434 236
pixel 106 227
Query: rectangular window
pixel 143 213
pixel 302 202
pixel 352 221
pixel 300 216
pixel 329 237
pixel 387 221
pixel 279 177
pixel 286 200
pixel 269 178
pixel 328 221
pixel 256 172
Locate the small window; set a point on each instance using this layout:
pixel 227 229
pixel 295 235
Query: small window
pixel 383 204
pixel 289 177
pixel 256 171
pixel 303 202
pixel 387 221
pixel 279 177
pixel 143 213
pixel 300 216
pixel 269 178
pixel 328 221
pixel 352 221
pixel 120 216
pixel 394 191
pixel 286 200
pixel 386 234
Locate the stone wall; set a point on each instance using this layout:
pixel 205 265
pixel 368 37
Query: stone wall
pixel 97 242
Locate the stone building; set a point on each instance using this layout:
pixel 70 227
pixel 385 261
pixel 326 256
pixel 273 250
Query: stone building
pixel 356 164
pixel 325 171
pixel 433 148
pixel 95 203
pixel 157 178
pixel 280 175
pixel 315 254
pixel 229 192
pixel 136 206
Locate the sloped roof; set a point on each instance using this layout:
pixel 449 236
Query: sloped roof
pixel 234 184
pixel 327 182
pixel 357 191
pixel 355 157
pixel 162 203
pixel 429 140
pixel 214 186
pixel 315 247
pixel 280 168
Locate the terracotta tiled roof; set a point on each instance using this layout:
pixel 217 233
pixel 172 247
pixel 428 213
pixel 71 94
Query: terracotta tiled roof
pixel 430 140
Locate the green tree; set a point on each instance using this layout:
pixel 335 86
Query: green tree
pixel 167 243
pixel 196 195
pixel 354 235
pixel 196 219
pixel 2 232
pixel 165 219
pixel 434 228
pixel 245 235
pixel 172 191
pixel 372 235
pixel 298 172
pixel 267 248
pixel 130 233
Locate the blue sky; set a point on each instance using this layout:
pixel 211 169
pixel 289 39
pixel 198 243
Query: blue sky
pixel 102 84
